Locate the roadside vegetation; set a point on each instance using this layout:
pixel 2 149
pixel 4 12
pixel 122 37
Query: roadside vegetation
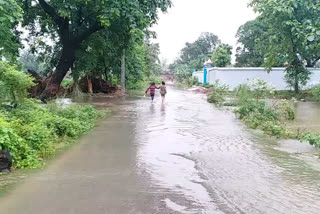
pixel 32 131
pixel 258 107
pixel 284 34
pixel 47 51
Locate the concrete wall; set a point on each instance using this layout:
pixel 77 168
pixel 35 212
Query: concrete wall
pixel 236 76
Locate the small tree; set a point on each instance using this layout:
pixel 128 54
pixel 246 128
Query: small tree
pixel 294 29
pixel 222 56
pixel 14 84
pixel 10 14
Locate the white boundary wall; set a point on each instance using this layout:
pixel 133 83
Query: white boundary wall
pixel 233 77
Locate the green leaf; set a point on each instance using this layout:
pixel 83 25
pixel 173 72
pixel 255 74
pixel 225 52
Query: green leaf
pixel 311 38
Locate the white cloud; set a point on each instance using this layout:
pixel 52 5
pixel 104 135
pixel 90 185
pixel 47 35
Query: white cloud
pixel 187 19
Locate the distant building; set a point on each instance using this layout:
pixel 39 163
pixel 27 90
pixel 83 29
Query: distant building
pixel 208 64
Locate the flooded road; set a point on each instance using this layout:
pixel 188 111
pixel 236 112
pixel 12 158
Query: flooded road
pixel 182 157
pixel 307 117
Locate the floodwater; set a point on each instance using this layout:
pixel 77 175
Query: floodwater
pixel 186 156
pixel 307 117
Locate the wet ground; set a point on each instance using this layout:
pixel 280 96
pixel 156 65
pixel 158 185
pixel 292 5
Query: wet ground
pixel 182 157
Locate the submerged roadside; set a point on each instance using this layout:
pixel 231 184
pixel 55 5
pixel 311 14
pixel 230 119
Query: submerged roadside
pixel 260 107
pixel 35 134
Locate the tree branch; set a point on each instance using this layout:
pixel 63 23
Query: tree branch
pixel 83 36
pixel 51 12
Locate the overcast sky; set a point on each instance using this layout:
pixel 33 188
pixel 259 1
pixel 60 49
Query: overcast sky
pixel 187 19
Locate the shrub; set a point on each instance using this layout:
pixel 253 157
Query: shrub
pixel 286 110
pixel 243 93
pixel 218 94
pixel 67 83
pixel 258 114
pixel 23 155
pixel 194 81
pixel 260 88
pixel 14 84
pixel 312 139
pixel 316 93
pixel 31 130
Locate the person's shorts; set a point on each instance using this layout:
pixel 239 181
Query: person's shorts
pixel 152 96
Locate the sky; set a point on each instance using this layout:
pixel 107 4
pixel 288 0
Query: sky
pixel 187 19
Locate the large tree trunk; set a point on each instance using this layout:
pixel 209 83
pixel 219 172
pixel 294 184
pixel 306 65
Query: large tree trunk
pixel 65 63
pixel 123 72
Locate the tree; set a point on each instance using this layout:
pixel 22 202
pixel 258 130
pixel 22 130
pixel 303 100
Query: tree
pixel 193 55
pixel 222 56
pixel 29 61
pixel 75 21
pixel 253 44
pixel 10 14
pixel 197 52
pixel 294 27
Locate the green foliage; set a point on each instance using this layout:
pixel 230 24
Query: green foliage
pixel 312 139
pixel 218 94
pixel 99 31
pixel 14 84
pixel 67 83
pixel 222 56
pixel 31 130
pixel 194 81
pixel 199 50
pixel 260 88
pixel 182 72
pixel 297 75
pixel 286 110
pixel 193 55
pixel 10 14
pixel 294 35
pixel 29 61
pixel 23 155
pixel 253 41
pixel 258 113
pixel 243 93
pixel 316 93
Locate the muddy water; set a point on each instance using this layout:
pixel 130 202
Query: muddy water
pixel 182 157
pixel 308 117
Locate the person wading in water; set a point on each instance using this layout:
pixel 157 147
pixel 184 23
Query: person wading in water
pixel 152 90
pixel 163 91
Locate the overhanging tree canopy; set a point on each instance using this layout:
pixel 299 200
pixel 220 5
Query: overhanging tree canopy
pixel 10 13
pixel 74 21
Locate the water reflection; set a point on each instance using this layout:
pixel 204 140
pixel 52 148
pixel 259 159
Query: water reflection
pixel 209 162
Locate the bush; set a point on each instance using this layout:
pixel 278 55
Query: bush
pixel 195 81
pixel 316 93
pixel 31 130
pixel 218 94
pixel 14 84
pixel 312 139
pixel 67 83
pixel 23 155
pixel 260 88
pixel 286 110
pixel 258 114
pixel 243 93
